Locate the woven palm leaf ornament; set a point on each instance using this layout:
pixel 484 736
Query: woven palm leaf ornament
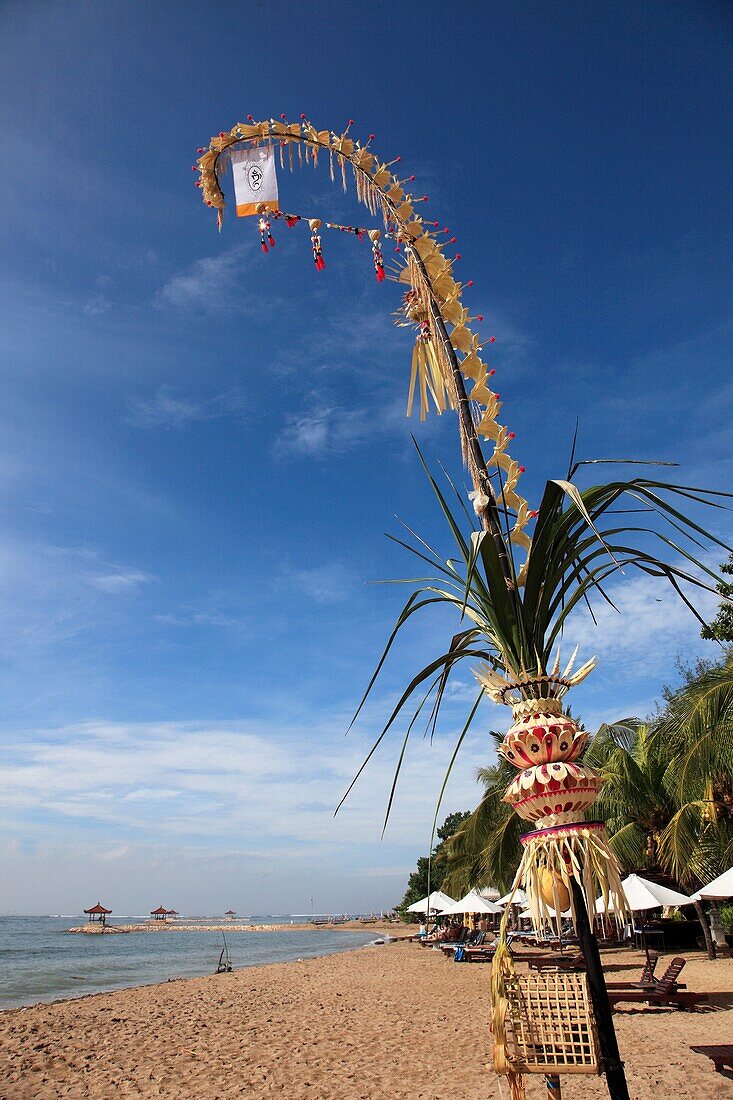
pixel 432 296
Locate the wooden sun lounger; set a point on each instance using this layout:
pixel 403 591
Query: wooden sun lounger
pixel 664 992
pixel 656 997
pixel 645 978
pixel 721 1056
pixel 667 982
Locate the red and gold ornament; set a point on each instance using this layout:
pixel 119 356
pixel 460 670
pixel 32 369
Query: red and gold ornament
pixel 266 236
pixel 315 225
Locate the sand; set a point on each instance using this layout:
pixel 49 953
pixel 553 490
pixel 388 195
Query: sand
pixel 378 1023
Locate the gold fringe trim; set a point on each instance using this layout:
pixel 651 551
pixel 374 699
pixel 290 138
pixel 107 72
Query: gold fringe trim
pixel 563 854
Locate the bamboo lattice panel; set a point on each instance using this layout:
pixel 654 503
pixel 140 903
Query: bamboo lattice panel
pixel 550 1025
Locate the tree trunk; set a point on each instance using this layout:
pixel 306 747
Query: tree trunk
pixel 705 930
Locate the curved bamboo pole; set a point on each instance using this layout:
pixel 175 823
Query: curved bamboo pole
pixel 430 276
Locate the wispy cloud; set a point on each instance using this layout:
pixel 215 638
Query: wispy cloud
pixel 119 580
pixel 323 428
pixel 211 284
pixel 331 582
pixel 189 618
pixel 169 409
pixel 171 775
pixel 49 594
pixel 96 305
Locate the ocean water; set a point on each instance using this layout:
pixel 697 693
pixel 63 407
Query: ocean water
pixel 40 962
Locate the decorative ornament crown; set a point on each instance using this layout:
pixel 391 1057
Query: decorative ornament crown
pixel 545 688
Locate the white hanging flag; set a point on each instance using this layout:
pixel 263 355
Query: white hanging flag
pixel 255 180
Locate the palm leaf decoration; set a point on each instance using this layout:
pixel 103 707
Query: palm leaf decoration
pixel 510 625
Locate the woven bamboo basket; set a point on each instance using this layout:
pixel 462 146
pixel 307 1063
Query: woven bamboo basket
pixel 549 1026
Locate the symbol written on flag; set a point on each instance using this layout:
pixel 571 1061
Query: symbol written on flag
pixel 255 179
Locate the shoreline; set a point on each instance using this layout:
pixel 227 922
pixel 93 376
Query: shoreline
pixel 126 989
pixel 379 928
pixel 363 1024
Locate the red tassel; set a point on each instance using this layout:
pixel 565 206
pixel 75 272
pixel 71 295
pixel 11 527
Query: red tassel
pixel 263 246
pixel 320 263
pixel 271 239
pixel 378 261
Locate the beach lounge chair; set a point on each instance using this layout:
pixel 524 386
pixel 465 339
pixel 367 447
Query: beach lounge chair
pixel 665 992
pixel 666 981
pixel 645 978
pixel 721 1056
pixel 420 936
pixel 450 950
pixel 566 963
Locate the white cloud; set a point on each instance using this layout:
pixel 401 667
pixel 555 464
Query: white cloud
pixel 646 636
pixel 168 409
pixel 197 618
pixel 328 583
pixel 210 284
pixel 119 580
pixel 97 305
pixel 277 785
pixel 323 428
pixel 49 594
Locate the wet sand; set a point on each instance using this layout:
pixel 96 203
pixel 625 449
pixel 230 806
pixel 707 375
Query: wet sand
pixel 378 1023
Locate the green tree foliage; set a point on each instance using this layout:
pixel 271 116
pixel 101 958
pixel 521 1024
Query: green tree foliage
pixel 721 628
pixel 431 869
pixel 485 851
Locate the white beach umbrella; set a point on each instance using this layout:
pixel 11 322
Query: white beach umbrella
pixel 717 890
pixel 472 903
pixel 526 914
pixel 434 903
pixel 519 898
pixel 641 894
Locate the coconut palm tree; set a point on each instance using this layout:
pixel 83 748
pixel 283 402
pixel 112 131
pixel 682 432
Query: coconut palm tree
pixel 635 800
pixel 697 732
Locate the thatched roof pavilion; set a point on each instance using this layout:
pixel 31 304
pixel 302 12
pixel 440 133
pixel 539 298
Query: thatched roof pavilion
pixel 98 912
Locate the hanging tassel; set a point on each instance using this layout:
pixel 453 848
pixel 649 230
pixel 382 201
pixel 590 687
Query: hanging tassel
pixel 315 225
pixel 263 232
pixel 378 262
pixel 374 235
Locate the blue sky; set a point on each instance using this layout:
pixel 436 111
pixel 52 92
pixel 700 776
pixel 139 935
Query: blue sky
pixel 201 447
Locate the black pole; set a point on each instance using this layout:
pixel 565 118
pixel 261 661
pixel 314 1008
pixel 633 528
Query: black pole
pixel 613 1067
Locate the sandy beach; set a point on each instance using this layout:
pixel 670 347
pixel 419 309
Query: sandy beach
pixel 398 1021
